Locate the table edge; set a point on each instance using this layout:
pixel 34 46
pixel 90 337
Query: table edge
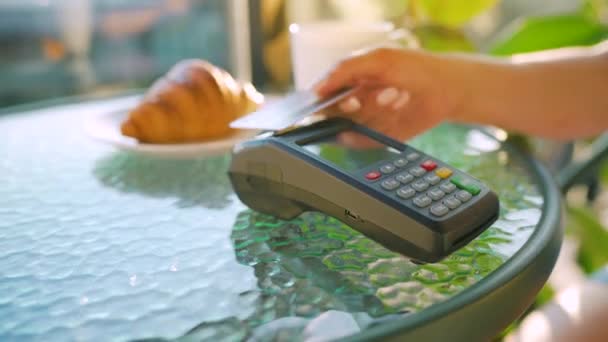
pixel 544 242
pixel 540 242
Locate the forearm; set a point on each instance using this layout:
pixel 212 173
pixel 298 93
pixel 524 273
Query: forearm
pixel 559 94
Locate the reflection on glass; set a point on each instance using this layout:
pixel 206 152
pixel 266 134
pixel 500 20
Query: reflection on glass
pixel 351 158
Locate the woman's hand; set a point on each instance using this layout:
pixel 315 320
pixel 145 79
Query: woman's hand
pixel 400 93
pixel 557 94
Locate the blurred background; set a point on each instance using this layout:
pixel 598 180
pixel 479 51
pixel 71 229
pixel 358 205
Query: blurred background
pixel 52 49
pixel 58 48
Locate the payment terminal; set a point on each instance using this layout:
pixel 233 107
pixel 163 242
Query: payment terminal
pixel 407 201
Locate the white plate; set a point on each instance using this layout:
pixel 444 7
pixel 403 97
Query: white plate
pixel 105 127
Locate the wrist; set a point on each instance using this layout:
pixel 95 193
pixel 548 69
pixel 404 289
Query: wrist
pixel 476 86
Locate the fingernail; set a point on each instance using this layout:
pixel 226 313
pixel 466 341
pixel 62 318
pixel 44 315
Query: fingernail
pixel 387 96
pixel 350 105
pixel 403 99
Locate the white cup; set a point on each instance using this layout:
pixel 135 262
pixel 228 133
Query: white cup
pixel 317 46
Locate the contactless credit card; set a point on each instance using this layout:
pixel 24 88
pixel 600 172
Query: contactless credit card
pixel 288 111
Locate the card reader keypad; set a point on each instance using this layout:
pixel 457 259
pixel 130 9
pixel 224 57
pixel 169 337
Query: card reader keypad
pixel 463 196
pixel 439 209
pixel 432 179
pixel 417 171
pixel 447 187
pixel 420 185
pixel 423 201
pixel 388 168
pixel 406 192
pixel 452 202
pixel 436 194
pixel 434 189
pixel 401 162
pixel 413 156
pixel 390 184
pixel 404 177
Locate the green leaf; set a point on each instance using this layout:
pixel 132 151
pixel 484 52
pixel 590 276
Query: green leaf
pixel 507 331
pixel 441 39
pixel 595 9
pixel 593 237
pixel 604 172
pixel 451 13
pixel 544 296
pixel 541 33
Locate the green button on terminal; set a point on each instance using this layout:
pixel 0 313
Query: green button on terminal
pixel 465 185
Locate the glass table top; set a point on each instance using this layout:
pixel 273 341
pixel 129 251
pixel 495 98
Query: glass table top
pixel 98 244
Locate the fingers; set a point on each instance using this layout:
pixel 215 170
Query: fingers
pixel 389 98
pixel 400 124
pixel 364 68
pixel 377 108
pixel 402 101
pixel 396 94
pixel 386 97
pixel 350 105
pixel 375 113
pixel 383 102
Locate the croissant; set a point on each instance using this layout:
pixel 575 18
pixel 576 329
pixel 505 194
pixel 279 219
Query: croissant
pixel 194 101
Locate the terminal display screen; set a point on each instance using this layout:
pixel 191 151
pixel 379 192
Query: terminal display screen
pixel 348 156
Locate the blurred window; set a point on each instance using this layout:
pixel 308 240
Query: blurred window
pixel 56 48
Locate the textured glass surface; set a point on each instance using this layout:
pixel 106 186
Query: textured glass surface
pixel 97 244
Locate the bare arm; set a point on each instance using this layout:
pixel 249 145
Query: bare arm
pixel 559 94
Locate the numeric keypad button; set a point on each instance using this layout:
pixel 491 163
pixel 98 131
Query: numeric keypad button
pixel 463 196
pixel 390 184
pixel 436 194
pixel 420 185
pixel 406 192
pixel 413 156
pixel 447 187
pixel 387 168
pixel 401 162
pixel 452 202
pixel 439 209
pixel 422 201
pixel 404 177
pixel 417 171
pixel 432 179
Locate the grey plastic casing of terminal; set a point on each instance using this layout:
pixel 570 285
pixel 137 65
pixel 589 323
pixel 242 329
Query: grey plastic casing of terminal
pixel 273 174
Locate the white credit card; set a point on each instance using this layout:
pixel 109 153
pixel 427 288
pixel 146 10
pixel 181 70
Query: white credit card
pixel 288 111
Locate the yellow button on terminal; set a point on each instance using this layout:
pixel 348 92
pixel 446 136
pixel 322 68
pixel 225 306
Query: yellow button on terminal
pixel 443 172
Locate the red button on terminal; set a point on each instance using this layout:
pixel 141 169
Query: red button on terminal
pixel 429 165
pixel 373 175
